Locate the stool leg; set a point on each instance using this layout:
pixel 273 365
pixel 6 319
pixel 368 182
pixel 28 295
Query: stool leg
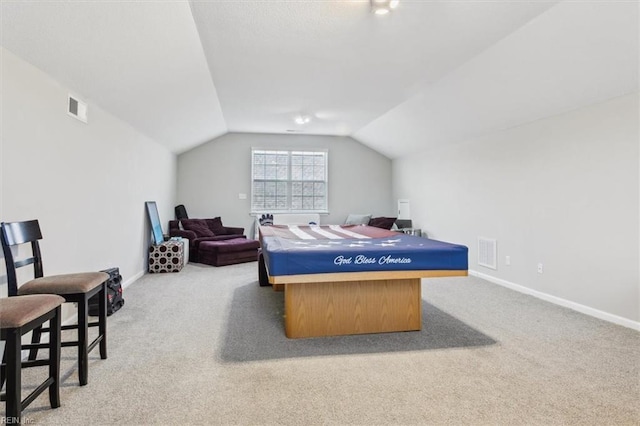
pixel 35 339
pixel 83 337
pixel 54 358
pixel 102 320
pixel 3 368
pixel 14 376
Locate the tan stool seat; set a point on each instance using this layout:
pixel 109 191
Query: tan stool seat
pixel 20 315
pixel 15 312
pixel 64 284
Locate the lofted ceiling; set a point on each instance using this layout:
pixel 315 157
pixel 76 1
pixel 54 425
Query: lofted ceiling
pixel 428 73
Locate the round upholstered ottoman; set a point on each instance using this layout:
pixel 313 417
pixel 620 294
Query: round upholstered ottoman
pixel 228 252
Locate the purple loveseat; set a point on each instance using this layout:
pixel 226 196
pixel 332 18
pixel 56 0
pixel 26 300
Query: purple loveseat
pixel 198 231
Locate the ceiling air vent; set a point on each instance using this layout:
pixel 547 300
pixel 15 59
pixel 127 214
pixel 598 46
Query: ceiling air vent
pixel 76 108
pixel 487 252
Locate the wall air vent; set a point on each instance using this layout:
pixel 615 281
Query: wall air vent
pixel 487 252
pixel 77 109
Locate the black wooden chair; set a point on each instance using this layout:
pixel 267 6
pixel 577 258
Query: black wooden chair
pixel 18 316
pixel 181 212
pixel 74 288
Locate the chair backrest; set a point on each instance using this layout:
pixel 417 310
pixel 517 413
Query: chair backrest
pixel 15 234
pixel 181 212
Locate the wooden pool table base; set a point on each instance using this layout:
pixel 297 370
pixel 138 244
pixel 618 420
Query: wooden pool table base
pixel 352 307
pixel 353 303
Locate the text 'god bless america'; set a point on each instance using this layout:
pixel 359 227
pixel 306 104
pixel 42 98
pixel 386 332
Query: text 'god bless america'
pixel 364 260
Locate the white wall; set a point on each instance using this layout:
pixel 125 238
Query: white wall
pixel 562 191
pixel 211 176
pixel 85 183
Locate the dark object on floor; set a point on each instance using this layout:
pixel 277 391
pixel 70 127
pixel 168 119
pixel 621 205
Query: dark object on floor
pixel 229 252
pixel 263 277
pixel 181 212
pixel 74 288
pixel 114 294
pixel 20 315
pixel 201 230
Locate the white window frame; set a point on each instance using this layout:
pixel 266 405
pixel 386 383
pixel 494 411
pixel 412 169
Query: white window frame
pixel 289 180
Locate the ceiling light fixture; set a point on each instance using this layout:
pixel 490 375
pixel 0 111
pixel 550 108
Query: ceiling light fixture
pixel 302 119
pixel 382 7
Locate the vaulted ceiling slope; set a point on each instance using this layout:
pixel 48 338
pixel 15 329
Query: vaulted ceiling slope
pixel 427 74
pixel 141 61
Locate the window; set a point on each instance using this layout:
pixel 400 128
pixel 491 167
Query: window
pixel 288 181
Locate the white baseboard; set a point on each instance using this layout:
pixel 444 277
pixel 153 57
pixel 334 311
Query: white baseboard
pixel 625 322
pixel 133 279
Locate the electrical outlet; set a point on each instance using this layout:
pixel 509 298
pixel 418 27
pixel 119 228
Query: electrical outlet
pixel 540 268
pixel 507 260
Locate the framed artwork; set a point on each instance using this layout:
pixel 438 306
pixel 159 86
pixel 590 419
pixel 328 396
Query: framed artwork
pixel 154 220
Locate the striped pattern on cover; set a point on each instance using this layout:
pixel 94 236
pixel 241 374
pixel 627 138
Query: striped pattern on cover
pixel 327 232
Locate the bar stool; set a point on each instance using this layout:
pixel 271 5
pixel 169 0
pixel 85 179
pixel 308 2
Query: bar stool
pixel 74 288
pixel 18 316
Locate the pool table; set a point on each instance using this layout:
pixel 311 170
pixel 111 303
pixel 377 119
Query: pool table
pixel 353 279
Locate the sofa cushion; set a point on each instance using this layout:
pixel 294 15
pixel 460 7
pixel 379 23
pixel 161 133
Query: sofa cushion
pixel 231 245
pixel 236 250
pixel 199 226
pixel 201 240
pixel 215 225
pixel 357 219
pixel 382 222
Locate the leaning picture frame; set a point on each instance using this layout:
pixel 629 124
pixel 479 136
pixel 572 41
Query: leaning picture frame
pixel 154 221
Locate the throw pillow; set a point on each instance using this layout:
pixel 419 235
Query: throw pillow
pixel 215 225
pixel 199 226
pixel 382 222
pixel 357 219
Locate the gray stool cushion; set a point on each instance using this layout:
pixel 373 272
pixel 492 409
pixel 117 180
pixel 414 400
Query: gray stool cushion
pixel 17 311
pixel 64 284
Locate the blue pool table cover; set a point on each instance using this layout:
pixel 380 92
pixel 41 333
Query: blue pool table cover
pixel 313 249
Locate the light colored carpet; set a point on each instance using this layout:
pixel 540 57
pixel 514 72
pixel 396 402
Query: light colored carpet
pixel 207 346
